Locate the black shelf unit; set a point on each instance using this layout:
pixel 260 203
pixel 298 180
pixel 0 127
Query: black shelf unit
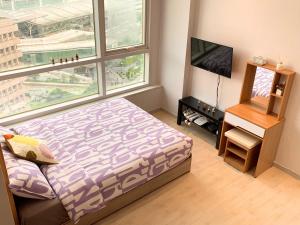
pixel 215 118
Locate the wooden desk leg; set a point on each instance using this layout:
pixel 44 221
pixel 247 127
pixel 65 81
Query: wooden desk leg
pixel 222 146
pixel 268 149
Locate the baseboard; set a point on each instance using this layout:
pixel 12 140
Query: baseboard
pixel 286 170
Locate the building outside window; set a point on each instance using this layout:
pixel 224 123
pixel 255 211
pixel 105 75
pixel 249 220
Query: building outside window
pixel 109 36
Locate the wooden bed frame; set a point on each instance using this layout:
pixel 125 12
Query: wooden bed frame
pixel 11 201
pixel 112 205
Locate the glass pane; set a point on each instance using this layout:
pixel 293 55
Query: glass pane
pixel 32 32
pixel 41 90
pixel 124 72
pixel 124 23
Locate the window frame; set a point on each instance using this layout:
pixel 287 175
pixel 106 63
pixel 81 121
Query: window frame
pixel 128 49
pixel 102 55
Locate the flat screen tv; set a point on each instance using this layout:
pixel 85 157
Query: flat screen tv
pixel 212 57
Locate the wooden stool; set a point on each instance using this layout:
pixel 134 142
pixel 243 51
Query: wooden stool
pixel 242 149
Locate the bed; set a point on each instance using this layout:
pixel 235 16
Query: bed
pixel 117 151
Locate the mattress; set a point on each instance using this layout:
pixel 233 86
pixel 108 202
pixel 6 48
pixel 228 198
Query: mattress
pixel 105 150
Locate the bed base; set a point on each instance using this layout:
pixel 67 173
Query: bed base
pixel 135 194
pixel 115 204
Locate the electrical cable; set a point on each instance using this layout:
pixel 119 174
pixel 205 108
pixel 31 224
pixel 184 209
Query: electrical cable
pixel 217 99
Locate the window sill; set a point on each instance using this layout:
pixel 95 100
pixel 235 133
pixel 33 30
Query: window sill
pixel 119 93
pixel 126 88
pixel 6 75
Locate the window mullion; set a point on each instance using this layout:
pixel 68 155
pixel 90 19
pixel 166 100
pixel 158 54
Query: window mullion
pixel 98 17
pixel 102 68
pixel 147 11
pixel 98 40
pixel 45 68
pixel 126 50
pixel 101 19
pixel 102 37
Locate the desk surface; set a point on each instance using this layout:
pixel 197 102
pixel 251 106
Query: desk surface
pixel 245 112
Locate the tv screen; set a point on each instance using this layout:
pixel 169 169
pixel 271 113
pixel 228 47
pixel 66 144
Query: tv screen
pixel 212 57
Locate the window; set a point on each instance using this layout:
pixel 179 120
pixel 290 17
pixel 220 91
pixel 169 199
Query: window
pixel 125 71
pixel 50 88
pixel 55 29
pixel 67 50
pixel 124 22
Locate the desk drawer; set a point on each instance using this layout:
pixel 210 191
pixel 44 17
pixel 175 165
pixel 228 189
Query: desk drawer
pixel 239 122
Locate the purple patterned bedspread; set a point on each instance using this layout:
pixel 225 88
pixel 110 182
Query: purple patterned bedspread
pixel 263 82
pixel 105 150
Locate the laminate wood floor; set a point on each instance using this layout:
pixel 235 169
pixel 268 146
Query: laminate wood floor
pixel 215 193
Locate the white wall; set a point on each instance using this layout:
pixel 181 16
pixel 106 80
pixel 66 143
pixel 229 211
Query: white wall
pixel 154 40
pixel 149 99
pixel 173 44
pixel 252 27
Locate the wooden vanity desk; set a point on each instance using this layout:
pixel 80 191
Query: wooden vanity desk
pixel 249 117
pixel 266 127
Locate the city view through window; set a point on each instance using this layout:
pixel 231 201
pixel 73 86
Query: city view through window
pixel 38 32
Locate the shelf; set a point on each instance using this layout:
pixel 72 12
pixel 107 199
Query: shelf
pixel 200 107
pixel 237 151
pixel 270 104
pixel 283 71
pixel 276 96
pixel 205 127
pixel 235 161
pixel 273 114
pixel 257 107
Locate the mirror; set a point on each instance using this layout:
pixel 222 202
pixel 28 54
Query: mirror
pixel 262 86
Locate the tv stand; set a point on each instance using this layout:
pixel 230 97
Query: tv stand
pixel 214 116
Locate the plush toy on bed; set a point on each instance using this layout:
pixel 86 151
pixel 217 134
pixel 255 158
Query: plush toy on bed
pixel 29 148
